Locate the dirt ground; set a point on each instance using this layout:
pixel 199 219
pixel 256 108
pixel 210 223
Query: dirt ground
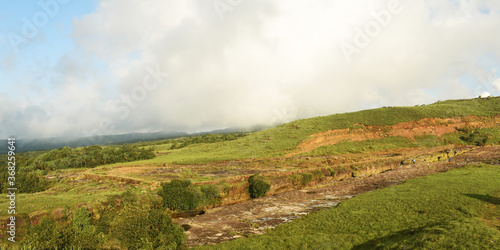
pixel 256 216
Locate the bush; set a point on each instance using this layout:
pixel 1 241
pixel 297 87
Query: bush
pixel 306 178
pixel 85 234
pixel 225 188
pixel 295 180
pixel 210 194
pixel 332 172
pixel 48 234
pixel 474 136
pixel 52 234
pixel 129 197
pixel 180 195
pixel 301 180
pixel 147 228
pixel 318 176
pixel 258 187
pixel 32 182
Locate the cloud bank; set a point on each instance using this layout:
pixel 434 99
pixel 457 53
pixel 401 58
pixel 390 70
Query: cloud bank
pixel 199 65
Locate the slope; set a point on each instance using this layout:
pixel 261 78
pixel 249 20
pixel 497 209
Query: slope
pixel 284 139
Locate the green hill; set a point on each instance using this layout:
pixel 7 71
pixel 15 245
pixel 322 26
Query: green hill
pixel 279 141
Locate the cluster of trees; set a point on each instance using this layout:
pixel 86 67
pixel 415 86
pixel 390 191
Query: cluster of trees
pixel 31 167
pixel 132 223
pixel 27 180
pixel 91 156
pixel 208 138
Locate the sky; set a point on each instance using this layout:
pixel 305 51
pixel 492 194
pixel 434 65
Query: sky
pixel 93 67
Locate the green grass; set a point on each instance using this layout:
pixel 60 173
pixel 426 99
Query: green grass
pixel 450 210
pixel 280 140
pixel 63 194
pixel 392 142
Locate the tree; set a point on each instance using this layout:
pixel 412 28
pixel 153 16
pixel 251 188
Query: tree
pixel 258 187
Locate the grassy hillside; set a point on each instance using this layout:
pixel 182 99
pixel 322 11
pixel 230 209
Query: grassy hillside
pixel 283 139
pixel 64 179
pixel 459 209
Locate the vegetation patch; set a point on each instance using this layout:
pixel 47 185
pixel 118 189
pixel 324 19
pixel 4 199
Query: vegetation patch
pixel 181 195
pixel 303 179
pixel 132 223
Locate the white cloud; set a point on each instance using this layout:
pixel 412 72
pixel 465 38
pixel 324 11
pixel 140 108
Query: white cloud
pixel 265 58
pixel 485 94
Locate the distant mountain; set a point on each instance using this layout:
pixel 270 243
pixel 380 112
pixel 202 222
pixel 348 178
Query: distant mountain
pixel 24 145
pixel 35 144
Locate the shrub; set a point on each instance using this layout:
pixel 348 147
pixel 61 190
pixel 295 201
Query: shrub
pixel 85 234
pixel 258 187
pixel 225 188
pixel 318 176
pixel 474 136
pixel 306 178
pixel 180 195
pixel 129 197
pixel 48 234
pixel 301 180
pixel 295 180
pixel 332 171
pixel 32 182
pixel 210 194
pixel 147 228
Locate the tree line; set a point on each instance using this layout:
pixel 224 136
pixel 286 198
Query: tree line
pixel 32 166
